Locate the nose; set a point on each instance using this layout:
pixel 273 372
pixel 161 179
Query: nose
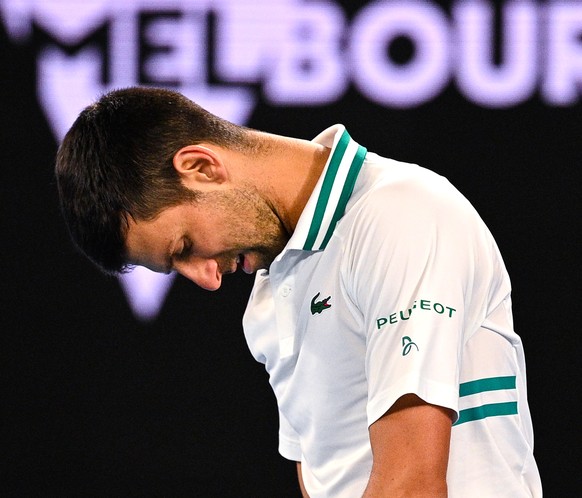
pixel 203 272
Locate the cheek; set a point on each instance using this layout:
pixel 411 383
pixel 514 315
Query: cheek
pixel 214 236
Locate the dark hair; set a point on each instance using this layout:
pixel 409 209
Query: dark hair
pixel 116 162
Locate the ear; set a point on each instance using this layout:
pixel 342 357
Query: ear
pixel 200 166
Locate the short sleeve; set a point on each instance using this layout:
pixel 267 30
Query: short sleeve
pixel 289 446
pixel 411 260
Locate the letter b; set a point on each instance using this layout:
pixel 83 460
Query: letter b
pixel 308 67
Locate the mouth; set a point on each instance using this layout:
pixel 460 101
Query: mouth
pixel 243 263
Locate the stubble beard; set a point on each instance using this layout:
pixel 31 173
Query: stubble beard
pixel 256 229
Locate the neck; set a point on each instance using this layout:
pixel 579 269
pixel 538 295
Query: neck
pixel 288 172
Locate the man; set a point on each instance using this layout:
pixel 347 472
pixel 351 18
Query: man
pixel 381 306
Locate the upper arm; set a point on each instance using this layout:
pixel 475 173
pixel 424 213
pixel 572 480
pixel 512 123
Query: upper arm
pixel 410 448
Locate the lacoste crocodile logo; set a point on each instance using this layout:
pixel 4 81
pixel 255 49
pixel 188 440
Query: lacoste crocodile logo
pixel 319 306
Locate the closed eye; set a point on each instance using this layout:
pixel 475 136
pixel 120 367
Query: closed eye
pixel 184 251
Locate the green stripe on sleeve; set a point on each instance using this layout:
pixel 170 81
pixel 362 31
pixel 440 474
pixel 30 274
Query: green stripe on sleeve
pixel 489 384
pixel 492 410
pixel 326 187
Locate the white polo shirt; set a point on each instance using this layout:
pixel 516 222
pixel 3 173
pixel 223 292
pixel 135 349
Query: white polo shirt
pixel 391 284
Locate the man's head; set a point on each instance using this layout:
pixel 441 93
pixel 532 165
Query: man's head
pixel 116 165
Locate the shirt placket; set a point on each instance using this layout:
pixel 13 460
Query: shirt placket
pixel 284 295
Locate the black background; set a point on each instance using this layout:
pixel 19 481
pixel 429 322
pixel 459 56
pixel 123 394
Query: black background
pixel 95 403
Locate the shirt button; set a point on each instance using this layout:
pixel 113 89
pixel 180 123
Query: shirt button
pixel 285 290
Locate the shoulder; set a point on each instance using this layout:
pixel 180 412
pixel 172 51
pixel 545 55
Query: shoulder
pixel 392 195
pixel 409 217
